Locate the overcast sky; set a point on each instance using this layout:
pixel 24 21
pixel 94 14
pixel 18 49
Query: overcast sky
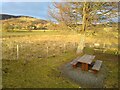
pixel 34 9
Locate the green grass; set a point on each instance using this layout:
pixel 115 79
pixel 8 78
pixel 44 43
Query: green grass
pixel 45 72
pixel 26 32
pixel 41 73
pixel 112 78
pixel 35 32
pixel 111 63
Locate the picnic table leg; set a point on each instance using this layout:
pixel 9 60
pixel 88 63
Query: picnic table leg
pixel 83 66
pixel 86 67
pixel 95 71
pixel 74 66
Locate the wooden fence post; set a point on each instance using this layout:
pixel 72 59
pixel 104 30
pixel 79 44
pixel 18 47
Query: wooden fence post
pixel 17 52
pixel 54 49
pixel 64 47
pixel 47 51
pixel 74 44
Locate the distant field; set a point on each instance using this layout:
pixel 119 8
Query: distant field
pixel 41 54
pixel 26 32
pixel 103 37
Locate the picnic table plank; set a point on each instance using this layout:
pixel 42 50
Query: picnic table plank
pixel 74 62
pixel 97 65
pixel 86 59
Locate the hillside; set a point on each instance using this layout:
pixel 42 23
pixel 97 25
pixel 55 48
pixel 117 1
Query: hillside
pixel 22 22
pixel 7 16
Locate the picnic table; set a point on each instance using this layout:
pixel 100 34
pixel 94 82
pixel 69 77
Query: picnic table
pixel 85 61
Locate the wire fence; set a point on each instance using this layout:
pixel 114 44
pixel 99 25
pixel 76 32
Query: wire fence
pixel 14 51
pixel 27 49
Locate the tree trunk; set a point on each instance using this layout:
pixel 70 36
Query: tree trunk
pixel 84 25
pixel 81 45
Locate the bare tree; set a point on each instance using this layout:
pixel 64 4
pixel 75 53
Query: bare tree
pixel 89 13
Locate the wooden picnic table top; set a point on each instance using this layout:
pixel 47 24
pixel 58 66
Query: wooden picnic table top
pixel 86 59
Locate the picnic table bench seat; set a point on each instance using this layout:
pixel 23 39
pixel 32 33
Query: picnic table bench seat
pixel 97 65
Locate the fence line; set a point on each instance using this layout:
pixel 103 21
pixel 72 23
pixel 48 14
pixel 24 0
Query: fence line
pixel 32 51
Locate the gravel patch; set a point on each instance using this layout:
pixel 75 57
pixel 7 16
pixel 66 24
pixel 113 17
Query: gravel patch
pixel 86 79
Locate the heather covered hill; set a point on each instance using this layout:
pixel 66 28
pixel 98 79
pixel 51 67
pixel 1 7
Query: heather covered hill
pixel 23 23
pixel 6 16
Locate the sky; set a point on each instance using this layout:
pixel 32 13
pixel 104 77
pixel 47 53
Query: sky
pixel 34 9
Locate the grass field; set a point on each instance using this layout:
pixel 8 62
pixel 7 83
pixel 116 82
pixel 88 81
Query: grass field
pixel 39 73
pixel 41 54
